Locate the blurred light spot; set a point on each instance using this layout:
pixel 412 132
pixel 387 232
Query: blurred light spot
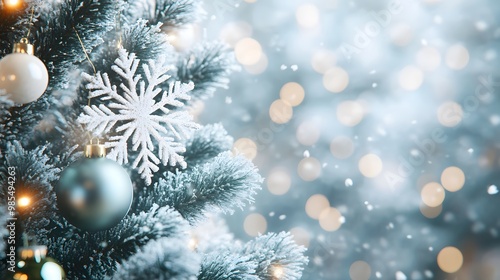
pixel 232 32
pixel 23 201
pixel 431 212
pixel 322 60
pixel 292 93
pixel 255 224
pixel 360 270
pixel 12 3
pixel 336 80
pixel 250 1
pixel 411 78
pixel 308 132
pixel 184 38
pixel 450 114
pixel 457 57
pixel 51 271
pixel 245 147
pixel 280 112
pixel 450 259
pixel 301 236
pixel 370 165
pixel 428 58
pixel 248 51
pixel 401 34
pixel 330 219
pixel 493 189
pixel 259 67
pixel 277 271
pixel 400 275
pixel 341 147
pixel 432 194
pixel 307 15
pixel 453 178
pixel 315 205
pixel 309 169
pixel 350 113
pixel 278 181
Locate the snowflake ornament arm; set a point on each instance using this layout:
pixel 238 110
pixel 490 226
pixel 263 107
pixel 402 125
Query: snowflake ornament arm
pixel 134 114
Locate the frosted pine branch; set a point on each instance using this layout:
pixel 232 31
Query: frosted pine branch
pixel 208 65
pixel 104 250
pixel 161 259
pixel 168 12
pixel 226 265
pixel 206 143
pixel 277 254
pixel 220 185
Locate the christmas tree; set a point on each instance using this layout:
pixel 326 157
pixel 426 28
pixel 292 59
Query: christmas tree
pixel 113 75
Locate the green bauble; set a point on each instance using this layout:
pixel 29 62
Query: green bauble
pixel 94 193
pixel 34 265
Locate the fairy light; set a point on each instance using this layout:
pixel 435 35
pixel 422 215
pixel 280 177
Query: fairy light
pixel 360 270
pixel 277 271
pixel 12 3
pixel 24 201
pixel 193 243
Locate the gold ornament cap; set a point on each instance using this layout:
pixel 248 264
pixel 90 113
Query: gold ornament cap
pixel 33 252
pixel 95 150
pixel 23 47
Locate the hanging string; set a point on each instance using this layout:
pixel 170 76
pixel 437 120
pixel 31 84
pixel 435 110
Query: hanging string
pixel 86 55
pixel 93 68
pixel 31 22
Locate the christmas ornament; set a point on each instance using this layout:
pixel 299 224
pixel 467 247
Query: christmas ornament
pixel 95 193
pixel 23 76
pixel 34 265
pixel 145 114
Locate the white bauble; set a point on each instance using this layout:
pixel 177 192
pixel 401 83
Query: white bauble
pixel 23 77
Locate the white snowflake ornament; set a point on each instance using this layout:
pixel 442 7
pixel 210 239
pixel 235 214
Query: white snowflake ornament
pixel 135 114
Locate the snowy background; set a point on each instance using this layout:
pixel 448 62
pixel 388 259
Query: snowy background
pixel 375 124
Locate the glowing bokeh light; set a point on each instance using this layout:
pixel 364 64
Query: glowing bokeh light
pixel 292 93
pixel 323 60
pixel 411 78
pixel 457 57
pixel 330 219
pixel 350 113
pixel 245 147
pixel 278 181
pixel 450 259
pixel 370 165
pixel 280 112
pixel 307 15
pixel 432 194
pixel 453 179
pixel 360 270
pixel 450 114
pixel 315 205
pixel 308 132
pixel 336 80
pixel 255 224
pixel 309 169
pixel 23 201
pixel 248 51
